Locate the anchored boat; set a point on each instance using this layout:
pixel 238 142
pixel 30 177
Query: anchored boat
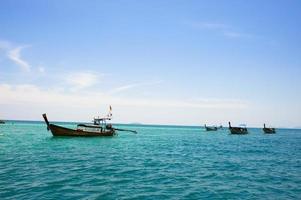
pixel 210 128
pixel 238 130
pixel 99 128
pixel 268 130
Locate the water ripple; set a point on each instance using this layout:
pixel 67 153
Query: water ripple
pixel 158 163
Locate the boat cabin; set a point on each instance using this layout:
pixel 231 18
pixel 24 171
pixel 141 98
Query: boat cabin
pixel 99 125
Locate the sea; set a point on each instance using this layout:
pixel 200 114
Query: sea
pixel 160 162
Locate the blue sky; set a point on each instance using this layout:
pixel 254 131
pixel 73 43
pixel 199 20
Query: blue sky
pixel 162 62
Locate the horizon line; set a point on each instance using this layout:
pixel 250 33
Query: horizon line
pixel 137 123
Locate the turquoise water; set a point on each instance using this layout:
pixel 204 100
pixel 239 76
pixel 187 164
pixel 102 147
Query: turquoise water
pixel 160 162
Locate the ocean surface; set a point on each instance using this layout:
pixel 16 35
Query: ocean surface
pixel 160 162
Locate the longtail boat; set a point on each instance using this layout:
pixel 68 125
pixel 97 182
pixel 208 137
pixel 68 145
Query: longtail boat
pixel 238 130
pixel 99 128
pixel 268 130
pixel 2 122
pixel 210 128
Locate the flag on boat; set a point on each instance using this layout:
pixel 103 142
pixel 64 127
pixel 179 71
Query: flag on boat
pixel 110 112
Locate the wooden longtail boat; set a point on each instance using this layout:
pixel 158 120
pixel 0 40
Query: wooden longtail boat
pixel 238 130
pixel 83 130
pixel 210 128
pixel 268 130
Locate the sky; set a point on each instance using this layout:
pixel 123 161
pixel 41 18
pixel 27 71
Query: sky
pixel 156 62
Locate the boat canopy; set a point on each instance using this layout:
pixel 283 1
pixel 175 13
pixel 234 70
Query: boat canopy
pixel 98 121
pixel 88 125
pixel 102 119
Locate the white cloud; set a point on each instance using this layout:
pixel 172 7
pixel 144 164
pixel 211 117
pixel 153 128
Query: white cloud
pixel 41 69
pixel 123 88
pixel 15 56
pixel 30 101
pixel 81 80
pixel 5 44
pixel 207 25
pixel 133 85
pixel 222 103
pixel 25 93
pixel 64 105
pixel 233 34
pixel 13 52
pixel 220 28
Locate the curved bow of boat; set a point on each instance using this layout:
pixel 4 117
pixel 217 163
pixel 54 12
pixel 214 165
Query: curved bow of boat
pixel 92 131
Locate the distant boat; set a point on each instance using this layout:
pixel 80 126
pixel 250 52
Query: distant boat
pixel 268 130
pixel 210 128
pixel 238 130
pixel 2 122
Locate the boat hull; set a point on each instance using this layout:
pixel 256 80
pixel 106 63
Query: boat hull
pixel 238 130
pixel 62 131
pixel 269 130
pixel 211 128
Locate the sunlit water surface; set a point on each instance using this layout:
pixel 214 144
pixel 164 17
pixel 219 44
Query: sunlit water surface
pixel 160 162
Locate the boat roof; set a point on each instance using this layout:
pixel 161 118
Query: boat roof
pixel 89 125
pixel 102 119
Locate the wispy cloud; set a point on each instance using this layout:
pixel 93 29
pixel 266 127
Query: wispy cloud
pixel 15 56
pixel 13 52
pixel 133 85
pixel 13 94
pixel 207 25
pixel 123 88
pixel 76 106
pixel 220 102
pixel 21 102
pixel 220 28
pixel 41 69
pixel 81 80
pixel 5 44
pixel 233 34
